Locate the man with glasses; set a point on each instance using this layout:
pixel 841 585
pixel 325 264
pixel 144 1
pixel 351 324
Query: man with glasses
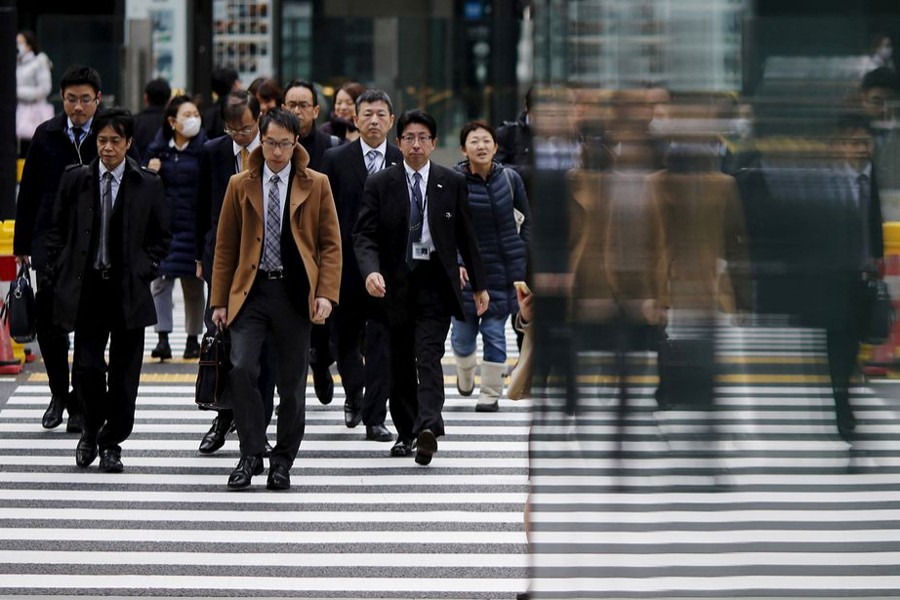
pixel 413 225
pixel 276 270
pixel 301 98
pixel 66 139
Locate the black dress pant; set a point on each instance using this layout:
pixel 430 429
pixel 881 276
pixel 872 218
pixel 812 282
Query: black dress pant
pixel 107 393
pixel 348 335
pixel 377 370
pixel 269 313
pixel 842 337
pixel 418 333
pixel 54 343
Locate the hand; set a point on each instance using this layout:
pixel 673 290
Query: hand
pixel 198 269
pixel 375 285
pixel 154 164
pixel 323 310
pixel 220 317
pixel 481 302
pixel 23 260
pixel 463 277
pixel 526 308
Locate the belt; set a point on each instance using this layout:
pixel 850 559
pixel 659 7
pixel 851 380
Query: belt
pixel 273 274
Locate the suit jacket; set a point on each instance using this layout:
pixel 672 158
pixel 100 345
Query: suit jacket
pixel 216 168
pixel 382 232
pixel 145 240
pixel 239 239
pixel 346 170
pixel 51 151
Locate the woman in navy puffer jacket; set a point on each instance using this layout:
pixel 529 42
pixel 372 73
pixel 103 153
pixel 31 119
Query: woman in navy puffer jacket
pixel 499 209
pixel 175 154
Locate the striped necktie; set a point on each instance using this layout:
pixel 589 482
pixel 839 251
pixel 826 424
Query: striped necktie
pixel 372 161
pixel 272 248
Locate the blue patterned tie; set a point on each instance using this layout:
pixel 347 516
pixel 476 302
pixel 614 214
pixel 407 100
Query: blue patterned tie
pixel 416 220
pixel 372 161
pixel 272 250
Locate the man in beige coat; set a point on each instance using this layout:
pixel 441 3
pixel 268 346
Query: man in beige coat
pixel 276 270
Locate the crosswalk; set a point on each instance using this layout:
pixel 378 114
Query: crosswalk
pixel 777 506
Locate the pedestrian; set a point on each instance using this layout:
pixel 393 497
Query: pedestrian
pixel 413 224
pixel 175 155
pixel 277 270
pixel 224 81
pixel 64 140
pixel 499 208
pixel 109 233
pixel 33 85
pixel 342 122
pixel 359 321
pixel 148 122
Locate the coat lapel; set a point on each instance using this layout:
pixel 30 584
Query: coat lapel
pixel 358 163
pixel 253 191
pixel 301 186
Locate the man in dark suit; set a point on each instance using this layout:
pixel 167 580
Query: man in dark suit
pixel 301 98
pixel 348 166
pixel 67 139
pixel 108 234
pixel 219 160
pixel 149 121
pixel 413 224
pixel 277 270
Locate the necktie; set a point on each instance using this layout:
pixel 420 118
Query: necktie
pixel 245 154
pixel 865 191
pixel 416 217
pixel 77 132
pixel 105 213
pixel 865 197
pixel 372 161
pixel 272 250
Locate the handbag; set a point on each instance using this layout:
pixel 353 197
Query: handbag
pixel 879 313
pixel 213 369
pixel 520 378
pixel 19 310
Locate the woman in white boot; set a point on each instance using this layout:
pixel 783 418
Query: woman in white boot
pixel 499 209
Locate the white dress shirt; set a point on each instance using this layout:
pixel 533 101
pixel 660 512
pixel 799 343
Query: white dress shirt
pixel 117 174
pixel 424 171
pixel 382 150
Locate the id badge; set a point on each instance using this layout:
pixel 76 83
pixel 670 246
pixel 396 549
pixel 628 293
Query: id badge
pixel 420 251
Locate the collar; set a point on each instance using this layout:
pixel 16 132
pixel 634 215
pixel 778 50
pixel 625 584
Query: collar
pixel 311 135
pixel 117 173
pixel 423 171
pixel 854 174
pixel 367 148
pixel 86 127
pixel 172 144
pixel 282 174
pixel 253 145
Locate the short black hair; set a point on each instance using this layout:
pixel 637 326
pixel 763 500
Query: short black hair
pixel 223 80
pixel 172 111
pixel 370 96
pixel 120 119
pixel 268 90
pixel 282 117
pixel 416 116
pixel 882 77
pixel 236 103
pixel 474 126
pixel 851 122
pixel 80 75
pixel 304 84
pixel 158 91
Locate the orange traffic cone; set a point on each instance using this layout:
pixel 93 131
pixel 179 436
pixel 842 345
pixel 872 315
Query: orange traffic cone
pixel 9 364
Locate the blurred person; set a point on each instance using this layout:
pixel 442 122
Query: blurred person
pixel 877 90
pixel 343 120
pixel 301 99
pixel 109 233
pixel 219 160
pixel 359 321
pixel 280 215
pixel 268 93
pixel 224 81
pixel 148 122
pixel 881 53
pixel 67 139
pixel 33 85
pixel 175 155
pixel 413 225
pixel 496 193
pixel 515 141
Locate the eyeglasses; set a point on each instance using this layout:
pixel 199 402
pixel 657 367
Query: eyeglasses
pixel 410 139
pixel 242 131
pixel 301 105
pixel 283 144
pixel 75 100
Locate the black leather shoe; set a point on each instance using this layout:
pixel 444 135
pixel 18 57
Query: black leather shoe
pixel 323 383
pixel 162 351
pixel 111 460
pixel 75 424
pixel 268 451
pixel 378 433
pixel 53 415
pixel 279 477
pixel 86 450
pixel 353 409
pixel 401 448
pixel 191 348
pixel 426 446
pixel 246 468
pixel 215 437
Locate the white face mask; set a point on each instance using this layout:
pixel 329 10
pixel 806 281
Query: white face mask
pixel 190 127
pixel 21 49
pixel 885 53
